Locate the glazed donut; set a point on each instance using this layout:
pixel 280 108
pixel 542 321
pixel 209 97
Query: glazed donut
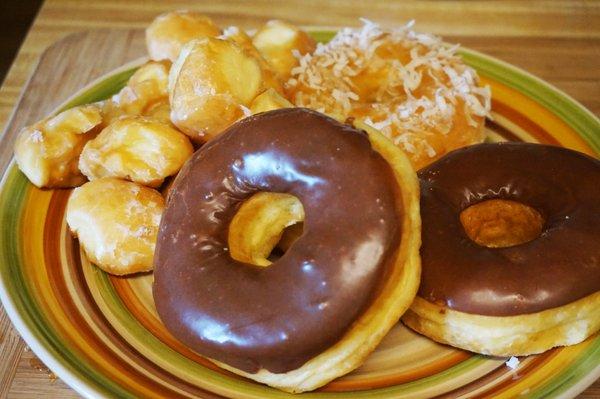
pixel 319 310
pixel 409 85
pixel 145 94
pixel 518 299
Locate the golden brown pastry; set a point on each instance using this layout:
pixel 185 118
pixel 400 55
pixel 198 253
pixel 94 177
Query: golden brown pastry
pixel 519 335
pixel 117 223
pixel 269 100
pixel 169 32
pixel 277 40
pixel 47 152
pixel 270 76
pixel 211 85
pixel 135 148
pixel 145 94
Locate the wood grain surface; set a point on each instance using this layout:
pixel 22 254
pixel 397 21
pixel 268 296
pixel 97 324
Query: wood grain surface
pixel 558 41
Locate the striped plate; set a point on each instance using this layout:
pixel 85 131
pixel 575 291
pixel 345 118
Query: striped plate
pixel 102 336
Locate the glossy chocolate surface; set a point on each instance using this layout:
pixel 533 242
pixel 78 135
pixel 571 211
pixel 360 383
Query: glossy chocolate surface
pixel 280 316
pixel 560 266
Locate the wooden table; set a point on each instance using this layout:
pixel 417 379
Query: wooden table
pixel 558 41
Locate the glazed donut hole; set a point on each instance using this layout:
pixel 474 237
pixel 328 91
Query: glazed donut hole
pixel 145 87
pixel 47 152
pixel 116 223
pixel 499 223
pixel 169 32
pixel 268 101
pixel 211 85
pixel 145 94
pixel 264 227
pixel 138 149
pixel 276 41
pixel 270 76
pixel 159 111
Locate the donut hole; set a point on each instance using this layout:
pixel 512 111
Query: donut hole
pixel 498 223
pixel 265 227
pixel 288 237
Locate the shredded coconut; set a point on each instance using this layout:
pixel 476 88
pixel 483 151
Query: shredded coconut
pixel 229 32
pixel 142 231
pixel 36 136
pixel 418 82
pixel 247 112
pixel 512 363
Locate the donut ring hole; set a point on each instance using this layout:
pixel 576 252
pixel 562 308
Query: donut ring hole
pixel 498 223
pixel 263 222
pixel 288 237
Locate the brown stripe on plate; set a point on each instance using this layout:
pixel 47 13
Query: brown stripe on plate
pixel 524 123
pixel 501 130
pixel 408 376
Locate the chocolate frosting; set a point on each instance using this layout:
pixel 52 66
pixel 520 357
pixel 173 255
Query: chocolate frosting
pixel 560 266
pixel 280 316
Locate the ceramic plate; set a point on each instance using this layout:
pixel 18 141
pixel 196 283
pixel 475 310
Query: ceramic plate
pixel 102 336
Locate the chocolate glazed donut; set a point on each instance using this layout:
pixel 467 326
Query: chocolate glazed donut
pixel 514 300
pixel 559 267
pixel 276 317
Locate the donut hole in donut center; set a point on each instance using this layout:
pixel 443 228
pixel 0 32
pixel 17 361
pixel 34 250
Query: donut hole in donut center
pixel 265 227
pixel 499 223
pixel 288 237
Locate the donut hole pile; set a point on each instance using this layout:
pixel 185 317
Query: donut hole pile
pixel 498 223
pixel 199 80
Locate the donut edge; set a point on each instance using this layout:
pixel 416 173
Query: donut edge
pixel 520 335
pixel 395 298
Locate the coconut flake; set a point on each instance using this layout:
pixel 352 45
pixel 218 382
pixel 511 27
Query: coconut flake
pixel 247 112
pixel 512 363
pixel 36 136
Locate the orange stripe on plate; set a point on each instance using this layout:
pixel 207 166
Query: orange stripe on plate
pixel 524 123
pixel 533 115
pixel 387 381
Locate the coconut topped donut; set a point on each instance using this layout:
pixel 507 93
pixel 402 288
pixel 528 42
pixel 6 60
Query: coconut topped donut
pixel 409 85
